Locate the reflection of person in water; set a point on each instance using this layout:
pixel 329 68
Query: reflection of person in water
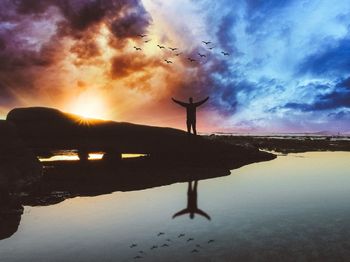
pixel 192 208
pixel 191 113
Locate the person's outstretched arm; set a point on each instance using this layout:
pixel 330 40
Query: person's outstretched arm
pixel 179 102
pixel 202 102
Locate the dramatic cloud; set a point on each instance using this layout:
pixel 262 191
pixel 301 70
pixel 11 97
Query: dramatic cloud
pixel 287 70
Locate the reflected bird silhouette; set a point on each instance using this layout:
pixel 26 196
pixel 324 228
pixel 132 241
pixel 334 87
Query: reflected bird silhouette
pixel 206 43
pixel 225 54
pixel 173 49
pixel 178 54
pixel 168 61
pixel 202 55
pixel 147 41
pixel 191 59
pixel 192 207
pixel 161 47
pixel 141 35
pixel 137 48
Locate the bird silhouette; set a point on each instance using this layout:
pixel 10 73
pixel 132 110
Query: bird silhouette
pixel 168 61
pixel 168 240
pixel 141 252
pixel 177 54
pixel 206 43
pixel 147 41
pixel 191 59
pixel 194 251
pixel 181 235
pixel 225 54
pixel 211 48
pixel 173 49
pixel 153 247
pixel 190 239
pixel 141 35
pixel 137 48
pixel 210 241
pixel 202 55
pixel 161 233
pixel 137 257
pixel 161 47
pixel 133 245
pixel 165 245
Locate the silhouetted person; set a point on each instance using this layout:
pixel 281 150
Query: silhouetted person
pixel 192 208
pixel 191 113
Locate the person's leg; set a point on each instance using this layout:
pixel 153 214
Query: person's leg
pixel 188 127
pixel 194 128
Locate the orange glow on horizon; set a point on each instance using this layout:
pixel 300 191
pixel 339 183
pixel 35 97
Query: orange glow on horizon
pixel 89 105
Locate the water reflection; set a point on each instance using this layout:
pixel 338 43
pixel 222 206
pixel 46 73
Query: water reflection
pixel 67 179
pixel 192 207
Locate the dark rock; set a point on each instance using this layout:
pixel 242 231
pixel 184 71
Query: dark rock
pixel 46 129
pixel 19 170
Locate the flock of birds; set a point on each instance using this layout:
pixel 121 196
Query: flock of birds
pixel 208 45
pixel 168 243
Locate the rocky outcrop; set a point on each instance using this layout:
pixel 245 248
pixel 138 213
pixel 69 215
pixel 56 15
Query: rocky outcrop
pixel 19 170
pixel 47 129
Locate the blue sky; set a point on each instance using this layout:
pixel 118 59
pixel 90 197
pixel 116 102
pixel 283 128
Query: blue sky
pixel 289 64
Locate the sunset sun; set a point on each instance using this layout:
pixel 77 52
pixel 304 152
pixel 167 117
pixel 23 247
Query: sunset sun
pixel 89 105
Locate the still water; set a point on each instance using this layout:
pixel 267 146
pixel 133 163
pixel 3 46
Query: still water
pixel 294 208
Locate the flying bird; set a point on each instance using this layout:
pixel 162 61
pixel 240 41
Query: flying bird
pixel 173 49
pixel 141 252
pixel 161 47
pixel 165 245
pixel 153 247
pixel 225 54
pixel 178 54
pixel 190 239
pixel 168 240
pixel 211 48
pixel 191 59
pixel 168 62
pixel 202 55
pixel 206 43
pixel 194 251
pixel 210 241
pixel 161 233
pixel 149 40
pixel 141 35
pixel 137 48
pixel 133 245
pixel 181 235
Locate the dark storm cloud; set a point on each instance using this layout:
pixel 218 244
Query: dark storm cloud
pixel 338 98
pixel 24 49
pixel 334 59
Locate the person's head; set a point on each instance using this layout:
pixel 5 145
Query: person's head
pixel 191 100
